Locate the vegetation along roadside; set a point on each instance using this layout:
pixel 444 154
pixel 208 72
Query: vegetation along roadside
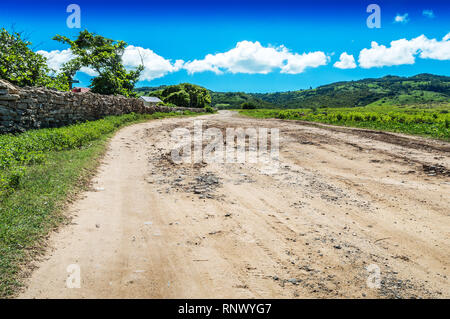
pixel 429 122
pixel 40 171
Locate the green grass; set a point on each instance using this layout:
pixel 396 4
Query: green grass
pixel 417 120
pixel 50 165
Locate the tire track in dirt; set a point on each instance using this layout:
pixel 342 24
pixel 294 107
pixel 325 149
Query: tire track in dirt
pixel 341 200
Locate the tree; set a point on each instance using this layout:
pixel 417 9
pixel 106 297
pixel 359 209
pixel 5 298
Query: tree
pixel 186 95
pixel 23 67
pixel 179 98
pixel 198 96
pixel 248 106
pixel 105 57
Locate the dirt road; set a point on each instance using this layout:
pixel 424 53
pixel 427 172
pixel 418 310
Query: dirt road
pixel 342 200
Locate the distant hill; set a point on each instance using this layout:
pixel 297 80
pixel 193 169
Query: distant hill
pixel 234 100
pixel 418 89
pixel 146 90
pixel 390 90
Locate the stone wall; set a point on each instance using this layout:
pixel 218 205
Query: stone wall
pixel 27 108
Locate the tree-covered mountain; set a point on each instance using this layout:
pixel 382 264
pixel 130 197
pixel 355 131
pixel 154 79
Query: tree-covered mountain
pixel 389 90
pixel 418 89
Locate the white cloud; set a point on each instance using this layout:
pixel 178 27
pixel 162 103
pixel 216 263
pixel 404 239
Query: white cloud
pixel 297 63
pixel 434 49
pixel 56 59
pixel 401 18
pixel 400 52
pixel 428 13
pixel 155 65
pixel 253 58
pixel 346 61
pixel 88 71
pixel 246 57
pixel 405 52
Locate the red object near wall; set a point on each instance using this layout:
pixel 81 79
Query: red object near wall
pixel 81 90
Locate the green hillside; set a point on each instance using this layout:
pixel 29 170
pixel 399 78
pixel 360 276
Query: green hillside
pixel 391 90
pixel 421 89
pixel 234 100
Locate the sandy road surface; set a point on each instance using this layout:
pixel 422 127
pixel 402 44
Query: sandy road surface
pixel 342 199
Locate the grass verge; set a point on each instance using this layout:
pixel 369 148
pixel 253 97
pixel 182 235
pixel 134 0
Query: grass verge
pixel 54 165
pixel 423 122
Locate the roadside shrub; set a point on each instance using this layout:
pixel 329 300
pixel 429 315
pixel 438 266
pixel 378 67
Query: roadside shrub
pixel 19 151
pixel 426 122
pixel 248 106
pixel 9 180
pixel 209 109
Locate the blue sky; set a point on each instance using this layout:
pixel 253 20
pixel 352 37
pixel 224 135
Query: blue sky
pixel 254 46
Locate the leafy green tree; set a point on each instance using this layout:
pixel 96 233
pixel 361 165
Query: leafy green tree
pixel 179 98
pixel 198 96
pixel 186 95
pixel 105 57
pixel 248 106
pixel 23 67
